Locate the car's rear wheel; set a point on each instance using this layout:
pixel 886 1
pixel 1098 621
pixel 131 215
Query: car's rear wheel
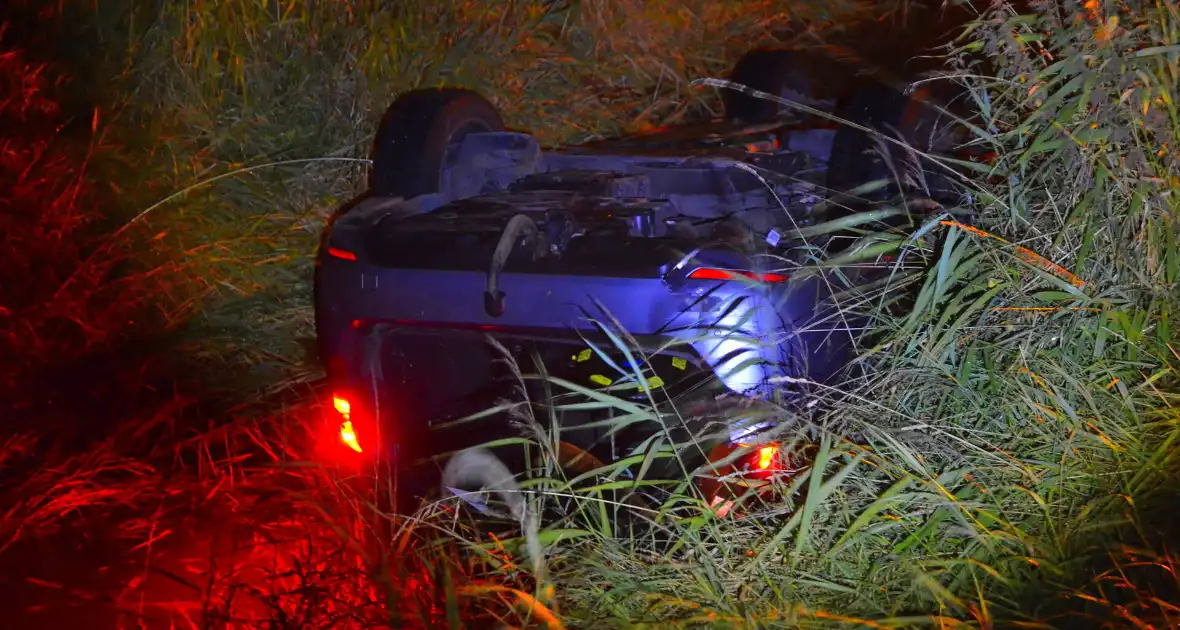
pixel 415 132
pixel 867 167
pixel 797 76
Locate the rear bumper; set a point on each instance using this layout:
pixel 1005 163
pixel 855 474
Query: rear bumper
pixel 420 339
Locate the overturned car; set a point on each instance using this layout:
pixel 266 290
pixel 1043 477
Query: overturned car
pixel 674 270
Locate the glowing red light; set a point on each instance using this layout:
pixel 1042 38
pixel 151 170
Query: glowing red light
pixel 348 436
pixel 766 456
pixel 342 406
pixel 342 254
pixel 712 273
pixel 347 433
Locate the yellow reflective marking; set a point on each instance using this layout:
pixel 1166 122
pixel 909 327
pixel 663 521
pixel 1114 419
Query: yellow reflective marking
pixel 679 363
pixel 585 355
pixel 600 380
pixel 654 382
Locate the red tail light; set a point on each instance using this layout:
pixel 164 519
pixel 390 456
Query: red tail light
pixel 712 273
pixel 755 469
pixel 342 254
pixel 765 458
pixel 767 455
pixel 347 433
pixel 348 436
pixel 342 406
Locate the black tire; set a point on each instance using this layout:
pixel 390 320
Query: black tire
pixel 798 76
pixel 919 120
pixel 415 133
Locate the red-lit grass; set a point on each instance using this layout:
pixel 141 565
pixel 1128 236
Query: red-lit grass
pixel 240 525
pixel 56 305
pixel 141 517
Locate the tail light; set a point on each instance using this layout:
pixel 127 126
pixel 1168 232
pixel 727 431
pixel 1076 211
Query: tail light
pixel 767 457
pixel 347 432
pixel 714 273
pixel 342 254
pixel 342 406
pixel 756 462
pixel 764 459
pixel 757 470
pixel 348 436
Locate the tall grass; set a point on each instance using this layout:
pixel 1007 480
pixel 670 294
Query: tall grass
pixel 44 197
